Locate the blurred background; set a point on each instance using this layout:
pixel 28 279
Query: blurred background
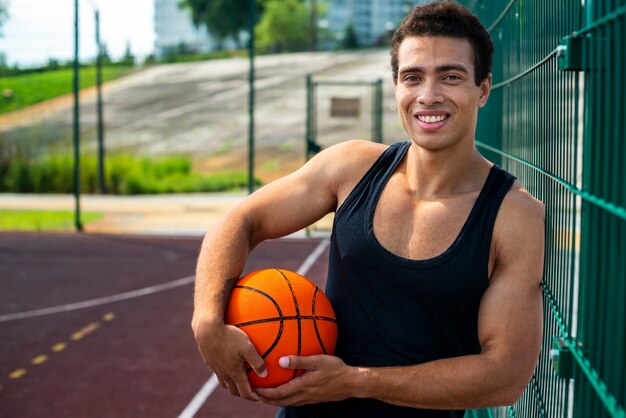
pixel 165 104
pixel 156 116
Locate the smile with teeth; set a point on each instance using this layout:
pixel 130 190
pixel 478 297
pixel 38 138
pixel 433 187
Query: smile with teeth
pixel 432 119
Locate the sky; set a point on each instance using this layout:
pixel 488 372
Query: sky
pixel 37 30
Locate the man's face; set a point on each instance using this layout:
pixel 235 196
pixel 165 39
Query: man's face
pixel 437 98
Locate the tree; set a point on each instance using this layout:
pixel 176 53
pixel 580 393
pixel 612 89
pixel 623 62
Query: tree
pixel 104 53
pixel 285 26
pixel 128 58
pixel 350 39
pixel 224 19
pixel 4 14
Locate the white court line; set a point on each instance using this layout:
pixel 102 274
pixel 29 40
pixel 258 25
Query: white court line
pixel 208 388
pixel 99 301
pixel 200 397
pixel 312 258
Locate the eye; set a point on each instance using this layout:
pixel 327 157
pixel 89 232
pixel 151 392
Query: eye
pixel 411 79
pixel 453 77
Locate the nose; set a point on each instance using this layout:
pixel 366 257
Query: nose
pixel 430 93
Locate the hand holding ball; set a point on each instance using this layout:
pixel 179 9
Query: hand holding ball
pixel 284 314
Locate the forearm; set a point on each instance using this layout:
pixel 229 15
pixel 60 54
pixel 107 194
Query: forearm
pixel 220 263
pixel 475 381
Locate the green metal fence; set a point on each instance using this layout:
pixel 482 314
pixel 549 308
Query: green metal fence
pixel 338 109
pixel 557 120
pixel 339 101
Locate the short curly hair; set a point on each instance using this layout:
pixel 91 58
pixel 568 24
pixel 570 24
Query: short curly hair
pixel 446 18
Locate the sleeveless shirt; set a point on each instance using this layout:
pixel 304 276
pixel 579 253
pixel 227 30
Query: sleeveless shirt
pixel 394 311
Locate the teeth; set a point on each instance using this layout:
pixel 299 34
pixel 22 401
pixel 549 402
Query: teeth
pixel 432 119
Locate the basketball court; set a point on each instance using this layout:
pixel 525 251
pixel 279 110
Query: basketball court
pixel 99 325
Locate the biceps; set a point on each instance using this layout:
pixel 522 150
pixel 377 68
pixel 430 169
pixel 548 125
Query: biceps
pixel 287 205
pixel 510 323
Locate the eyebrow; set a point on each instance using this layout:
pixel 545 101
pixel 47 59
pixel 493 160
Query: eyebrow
pixel 439 69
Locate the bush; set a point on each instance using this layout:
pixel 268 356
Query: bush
pixel 124 175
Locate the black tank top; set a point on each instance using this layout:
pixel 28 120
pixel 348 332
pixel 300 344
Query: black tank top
pixel 393 311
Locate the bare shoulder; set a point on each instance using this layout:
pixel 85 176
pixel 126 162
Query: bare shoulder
pixel 354 154
pixel 345 163
pixel 519 233
pixel 520 206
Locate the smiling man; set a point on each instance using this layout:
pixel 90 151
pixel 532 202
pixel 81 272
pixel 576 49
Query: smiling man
pixel 436 254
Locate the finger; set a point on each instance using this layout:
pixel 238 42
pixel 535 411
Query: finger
pixel 231 387
pixel 243 387
pixel 283 403
pixel 269 394
pixel 245 391
pixel 255 360
pixel 220 381
pixel 299 362
pixel 290 400
pixel 281 392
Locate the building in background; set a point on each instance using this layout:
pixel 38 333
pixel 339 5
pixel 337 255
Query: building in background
pixel 175 33
pixel 373 21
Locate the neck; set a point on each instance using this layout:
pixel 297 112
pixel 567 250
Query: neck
pixel 446 172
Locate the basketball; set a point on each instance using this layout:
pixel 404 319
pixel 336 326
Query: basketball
pixel 284 314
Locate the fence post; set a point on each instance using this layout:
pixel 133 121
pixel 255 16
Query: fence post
pixel 492 112
pixel 76 124
pixel 251 22
pixel 101 178
pixel 378 137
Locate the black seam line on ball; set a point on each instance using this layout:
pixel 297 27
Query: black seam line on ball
pixel 298 319
pixel 317 331
pixel 286 318
pixel 280 318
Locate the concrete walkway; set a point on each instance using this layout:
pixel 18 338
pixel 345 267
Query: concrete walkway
pixel 180 214
pixel 177 214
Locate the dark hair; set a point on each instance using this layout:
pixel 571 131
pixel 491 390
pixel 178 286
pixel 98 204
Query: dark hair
pixel 446 18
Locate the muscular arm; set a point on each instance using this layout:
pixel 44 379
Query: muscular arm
pixel 280 208
pixel 509 329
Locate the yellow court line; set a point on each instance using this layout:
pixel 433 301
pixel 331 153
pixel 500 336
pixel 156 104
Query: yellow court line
pixel 16 374
pixel 39 359
pixel 85 331
pixel 58 347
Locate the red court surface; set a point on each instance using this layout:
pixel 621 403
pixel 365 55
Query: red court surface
pixel 131 354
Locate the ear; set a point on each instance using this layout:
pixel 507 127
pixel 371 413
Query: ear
pixel 485 90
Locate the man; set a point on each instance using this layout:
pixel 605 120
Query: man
pixel 436 254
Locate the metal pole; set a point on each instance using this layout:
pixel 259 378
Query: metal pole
pixel 309 117
pixel 313 24
pixel 379 113
pixel 251 21
pixel 101 179
pixel 76 130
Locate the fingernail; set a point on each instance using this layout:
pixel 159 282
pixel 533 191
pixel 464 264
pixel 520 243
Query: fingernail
pixel 283 361
pixel 263 373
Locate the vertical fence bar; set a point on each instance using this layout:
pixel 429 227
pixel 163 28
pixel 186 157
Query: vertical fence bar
pixel 308 135
pixel 101 171
pixel 377 111
pixel 251 24
pixel 76 122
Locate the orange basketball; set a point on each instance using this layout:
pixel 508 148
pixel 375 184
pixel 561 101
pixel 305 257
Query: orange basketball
pixel 284 314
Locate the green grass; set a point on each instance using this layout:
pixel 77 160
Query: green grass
pixel 194 57
pixel 24 90
pixel 35 220
pixel 125 175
